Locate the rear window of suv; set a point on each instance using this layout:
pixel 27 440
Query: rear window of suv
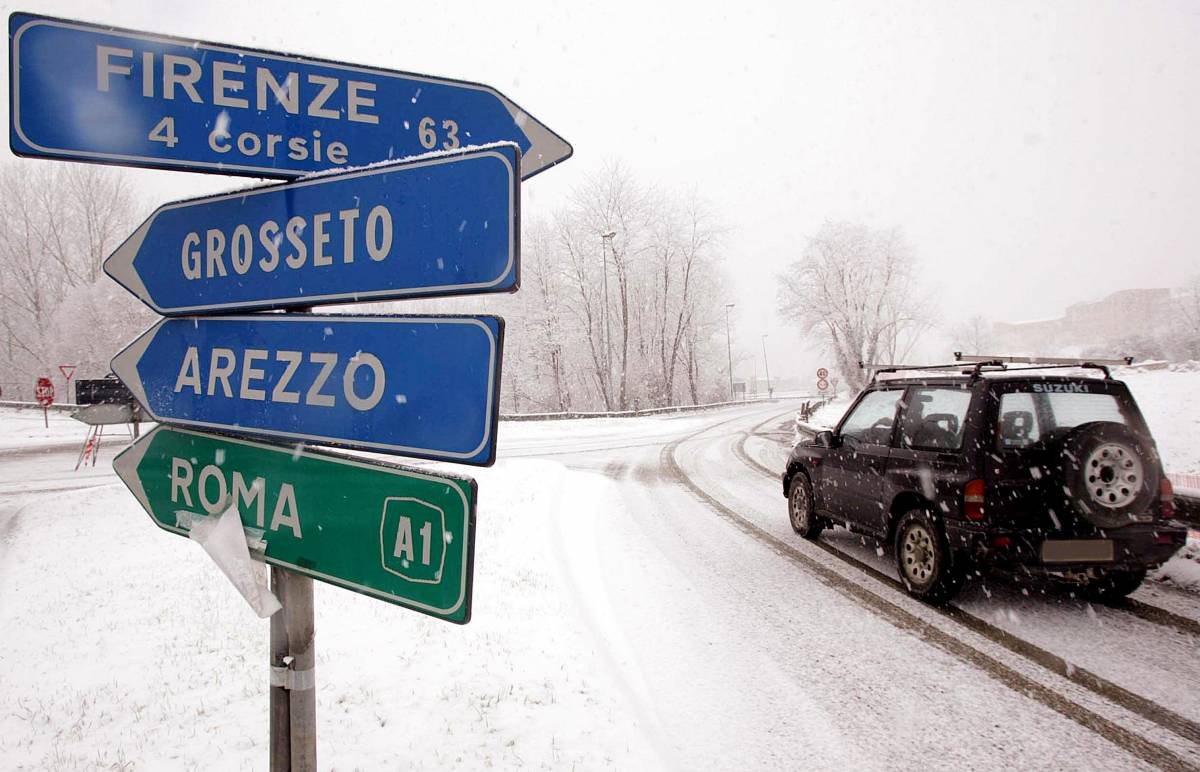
pixel 1026 415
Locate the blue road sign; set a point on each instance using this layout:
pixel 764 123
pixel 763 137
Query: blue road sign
pixel 424 386
pixel 87 92
pixel 446 225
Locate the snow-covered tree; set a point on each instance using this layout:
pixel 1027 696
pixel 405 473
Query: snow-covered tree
pixel 973 336
pixel 856 288
pixel 58 222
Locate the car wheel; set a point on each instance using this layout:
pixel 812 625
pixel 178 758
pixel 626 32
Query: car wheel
pixel 1109 473
pixel 923 559
pixel 800 507
pixel 1112 586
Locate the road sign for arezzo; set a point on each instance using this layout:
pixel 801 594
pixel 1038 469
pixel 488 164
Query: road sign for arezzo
pixel 425 386
pixel 95 93
pixel 445 225
pixel 398 534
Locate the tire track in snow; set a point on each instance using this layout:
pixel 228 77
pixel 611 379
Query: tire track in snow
pixel 1144 749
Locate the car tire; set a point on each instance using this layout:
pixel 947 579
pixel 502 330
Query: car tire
pixel 1109 473
pixel 1114 585
pixel 923 559
pixel 801 511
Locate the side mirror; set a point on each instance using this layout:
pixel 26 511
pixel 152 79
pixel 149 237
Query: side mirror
pixel 824 439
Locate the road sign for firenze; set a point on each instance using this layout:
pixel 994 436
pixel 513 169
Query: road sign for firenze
pixel 397 534
pixel 434 226
pixel 424 386
pixel 96 93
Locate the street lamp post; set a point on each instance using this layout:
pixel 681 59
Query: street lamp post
pixel 729 349
pixel 766 366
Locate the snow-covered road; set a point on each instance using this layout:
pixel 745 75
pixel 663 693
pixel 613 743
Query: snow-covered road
pixel 640 602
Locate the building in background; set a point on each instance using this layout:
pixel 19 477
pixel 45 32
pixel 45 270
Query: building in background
pixel 1125 315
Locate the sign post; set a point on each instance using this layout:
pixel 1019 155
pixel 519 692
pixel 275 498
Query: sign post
pixel 415 192
pixel 44 393
pixel 68 372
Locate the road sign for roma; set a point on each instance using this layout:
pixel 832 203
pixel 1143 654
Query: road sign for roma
pixel 401 535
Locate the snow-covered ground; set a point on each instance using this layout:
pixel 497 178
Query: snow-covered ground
pixel 618 623
pixel 123 645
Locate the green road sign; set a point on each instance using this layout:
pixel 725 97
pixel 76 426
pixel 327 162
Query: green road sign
pixel 394 533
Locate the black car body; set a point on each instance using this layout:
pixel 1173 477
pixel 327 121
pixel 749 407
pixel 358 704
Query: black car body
pixel 1041 473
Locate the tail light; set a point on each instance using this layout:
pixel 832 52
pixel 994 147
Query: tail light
pixel 973 500
pixel 1166 499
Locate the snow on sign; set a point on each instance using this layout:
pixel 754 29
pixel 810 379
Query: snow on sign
pixel 398 534
pixel 90 92
pixel 424 386
pixel 445 225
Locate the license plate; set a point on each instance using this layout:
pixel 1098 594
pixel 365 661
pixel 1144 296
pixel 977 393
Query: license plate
pixel 1077 551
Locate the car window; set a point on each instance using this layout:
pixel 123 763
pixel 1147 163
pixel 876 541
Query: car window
pixel 935 419
pixel 1018 420
pixel 1026 416
pixel 1070 410
pixel 871 421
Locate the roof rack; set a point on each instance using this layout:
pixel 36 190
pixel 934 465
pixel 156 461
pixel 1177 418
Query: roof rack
pixel 1044 363
pixel 979 363
pixel 975 368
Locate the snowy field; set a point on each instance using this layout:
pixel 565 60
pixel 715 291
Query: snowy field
pixel 617 624
pixel 85 578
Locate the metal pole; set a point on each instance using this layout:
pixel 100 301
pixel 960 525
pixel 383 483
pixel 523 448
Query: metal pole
pixel 298 617
pixel 729 349
pixel 281 736
pixel 766 366
pixel 293 671
pixel 293 675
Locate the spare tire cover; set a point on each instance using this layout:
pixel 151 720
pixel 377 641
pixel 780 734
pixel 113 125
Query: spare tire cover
pixel 1109 473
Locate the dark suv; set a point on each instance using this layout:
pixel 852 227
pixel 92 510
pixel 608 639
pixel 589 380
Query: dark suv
pixel 1037 473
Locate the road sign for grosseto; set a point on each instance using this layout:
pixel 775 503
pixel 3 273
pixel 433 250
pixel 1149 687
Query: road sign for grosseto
pixel 393 533
pixel 445 225
pixel 88 92
pixel 425 386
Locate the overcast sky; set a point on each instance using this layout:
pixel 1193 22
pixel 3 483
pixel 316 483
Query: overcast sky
pixel 1034 154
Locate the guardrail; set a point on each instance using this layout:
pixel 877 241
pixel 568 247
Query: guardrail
pixel 62 407
pixel 579 414
pixel 570 415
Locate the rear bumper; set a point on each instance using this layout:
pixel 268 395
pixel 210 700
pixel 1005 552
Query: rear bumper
pixel 1135 546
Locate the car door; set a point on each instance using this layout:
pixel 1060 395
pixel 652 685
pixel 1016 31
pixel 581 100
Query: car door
pixel 929 459
pixel 854 469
